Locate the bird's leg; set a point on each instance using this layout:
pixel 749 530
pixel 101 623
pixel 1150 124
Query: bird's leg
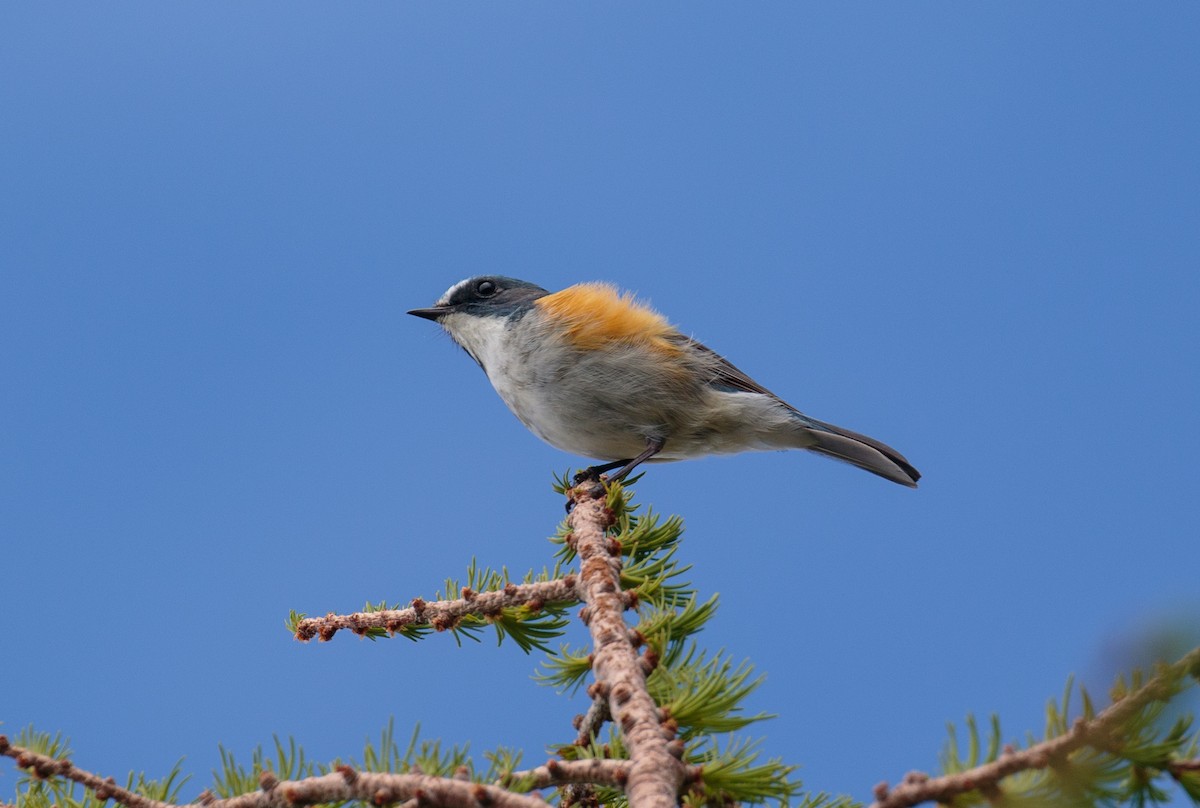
pixel 653 447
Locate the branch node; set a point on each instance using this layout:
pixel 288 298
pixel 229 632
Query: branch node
pixel 267 780
pixel 649 661
pixel 104 791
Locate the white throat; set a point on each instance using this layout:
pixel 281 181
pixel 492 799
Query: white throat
pixel 484 338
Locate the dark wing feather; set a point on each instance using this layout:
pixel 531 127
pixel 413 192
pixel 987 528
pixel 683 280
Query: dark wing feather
pixel 724 374
pixel 835 441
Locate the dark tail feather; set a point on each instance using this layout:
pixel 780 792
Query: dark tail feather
pixel 866 453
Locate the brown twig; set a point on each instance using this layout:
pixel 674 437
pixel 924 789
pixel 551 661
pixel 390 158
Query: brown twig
pixel 1178 768
pixel 343 785
pixel 590 723
pixel 655 774
pixel 564 772
pixel 442 614
pixel 588 726
pixel 1097 732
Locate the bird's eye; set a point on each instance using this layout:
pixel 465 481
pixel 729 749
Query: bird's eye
pixel 485 289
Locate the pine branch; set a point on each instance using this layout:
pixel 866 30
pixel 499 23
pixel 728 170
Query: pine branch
pixel 343 785
pixel 666 699
pixel 442 615
pixel 590 724
pixel 571 772
pixel 588 729
pixel 1099 732
pixel 656 775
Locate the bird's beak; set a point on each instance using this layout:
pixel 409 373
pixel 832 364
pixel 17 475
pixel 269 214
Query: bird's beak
pixel 435 313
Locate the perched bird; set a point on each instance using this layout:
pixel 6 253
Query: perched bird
pixel 595 373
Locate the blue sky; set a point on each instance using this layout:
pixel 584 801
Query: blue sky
pixel 970 230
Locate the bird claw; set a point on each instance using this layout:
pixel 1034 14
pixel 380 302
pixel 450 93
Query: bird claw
pixel 595 488
pixel 588 474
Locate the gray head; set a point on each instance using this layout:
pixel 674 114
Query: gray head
pixel 484 296
pixel 477 313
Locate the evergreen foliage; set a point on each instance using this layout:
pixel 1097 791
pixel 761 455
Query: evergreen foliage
pixel 39 792
pixel 1133 766
pixel 701 695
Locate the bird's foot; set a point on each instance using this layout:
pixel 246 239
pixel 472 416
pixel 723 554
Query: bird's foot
pixel 586 484
pixel 589 474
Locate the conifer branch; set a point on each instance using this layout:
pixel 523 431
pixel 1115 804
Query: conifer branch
pixel 655 775
pixel 588 728
pixel 664 695
pixel 1101 732
pixel 376 788
pixel 441 614
pixel 588 771
pixel 590 723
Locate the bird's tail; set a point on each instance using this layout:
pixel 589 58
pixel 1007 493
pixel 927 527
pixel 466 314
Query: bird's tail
pixel 866 453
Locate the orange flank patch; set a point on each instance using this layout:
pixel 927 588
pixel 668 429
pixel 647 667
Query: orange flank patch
pixel 595 314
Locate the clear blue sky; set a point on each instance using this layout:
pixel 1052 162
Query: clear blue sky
pixel 971 230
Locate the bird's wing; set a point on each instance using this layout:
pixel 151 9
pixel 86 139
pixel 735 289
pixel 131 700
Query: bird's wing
pixel 863 451
pixel 724 374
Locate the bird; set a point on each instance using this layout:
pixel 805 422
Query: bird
pixel 595 372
